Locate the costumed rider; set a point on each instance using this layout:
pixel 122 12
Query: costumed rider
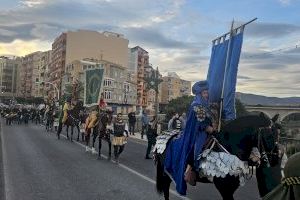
pixel 64 115
pixel 102 103
pixel 182 153
pixel 120 134
pixel 91 123
pixel 289 189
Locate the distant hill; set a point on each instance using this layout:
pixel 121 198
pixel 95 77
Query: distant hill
pixel 252 99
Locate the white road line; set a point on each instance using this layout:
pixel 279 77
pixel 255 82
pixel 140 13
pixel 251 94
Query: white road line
pixel 134 172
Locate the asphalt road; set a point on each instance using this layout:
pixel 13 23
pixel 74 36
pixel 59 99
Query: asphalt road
pixel 38 166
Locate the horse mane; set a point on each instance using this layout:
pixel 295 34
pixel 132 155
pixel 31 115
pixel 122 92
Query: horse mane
pixel 238 135
pixel 248 121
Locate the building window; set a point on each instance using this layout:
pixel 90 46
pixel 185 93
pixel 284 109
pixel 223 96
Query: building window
pixel 108 82
pixel 107 94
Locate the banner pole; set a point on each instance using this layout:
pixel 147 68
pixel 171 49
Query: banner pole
pixel 224 76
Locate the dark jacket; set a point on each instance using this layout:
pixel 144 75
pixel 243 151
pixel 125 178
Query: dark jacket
pixel 131 118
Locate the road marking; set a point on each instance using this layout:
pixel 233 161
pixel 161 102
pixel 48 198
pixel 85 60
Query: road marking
pixel 134 172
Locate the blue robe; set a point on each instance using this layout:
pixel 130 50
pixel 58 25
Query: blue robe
pixel 186 147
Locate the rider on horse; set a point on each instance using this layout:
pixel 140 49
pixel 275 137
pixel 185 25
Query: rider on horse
pixel 182 153
pixel 66 108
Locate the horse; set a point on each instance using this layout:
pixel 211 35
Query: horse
pixel 49 120
pixel 103 132
pixel 269 175
pixel 238 137
pixel 74 120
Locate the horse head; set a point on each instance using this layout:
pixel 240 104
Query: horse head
pixel 239 136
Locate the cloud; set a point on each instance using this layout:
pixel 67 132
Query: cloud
pixel 153 38
pixel 271 30
pixel 285 2
pixel 22 48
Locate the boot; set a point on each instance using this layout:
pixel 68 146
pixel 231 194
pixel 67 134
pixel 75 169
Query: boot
pixel 87 149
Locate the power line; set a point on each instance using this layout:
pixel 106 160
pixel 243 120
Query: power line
pixel 281 50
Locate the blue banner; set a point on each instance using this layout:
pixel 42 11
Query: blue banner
pixel 216 74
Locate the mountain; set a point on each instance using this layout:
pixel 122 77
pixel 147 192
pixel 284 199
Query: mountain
pixel 252 99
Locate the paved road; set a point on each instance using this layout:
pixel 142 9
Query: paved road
pixel 38 166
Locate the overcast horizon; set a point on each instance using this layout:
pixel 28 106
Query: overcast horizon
pixel 176 33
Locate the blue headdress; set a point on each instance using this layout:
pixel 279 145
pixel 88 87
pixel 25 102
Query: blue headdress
pixel 197 88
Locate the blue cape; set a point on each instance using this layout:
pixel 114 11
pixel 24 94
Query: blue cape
pixel 188 145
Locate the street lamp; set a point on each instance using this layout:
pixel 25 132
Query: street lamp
pixel 54 86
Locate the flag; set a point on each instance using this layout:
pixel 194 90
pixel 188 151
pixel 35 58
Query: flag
pixel 216 72
pixel 93 84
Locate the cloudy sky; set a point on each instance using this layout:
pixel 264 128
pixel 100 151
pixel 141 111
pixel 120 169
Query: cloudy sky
pixel 176 33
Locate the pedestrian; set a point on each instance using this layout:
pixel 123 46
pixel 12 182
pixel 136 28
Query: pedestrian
pixel 289 189
pixel 132 121
pixel 151 136
pixel 182 118
pixel 145 122
pixel 120 135
pixel 175 123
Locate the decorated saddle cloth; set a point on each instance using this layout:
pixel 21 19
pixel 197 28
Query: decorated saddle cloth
pixel 221 164
pixel 162 140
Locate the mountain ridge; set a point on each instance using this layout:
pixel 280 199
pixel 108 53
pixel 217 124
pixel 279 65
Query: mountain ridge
pixel 253 99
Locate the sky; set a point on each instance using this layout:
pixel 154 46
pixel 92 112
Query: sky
pixel 176 33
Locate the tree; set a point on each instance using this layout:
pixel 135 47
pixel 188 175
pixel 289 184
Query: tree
pixel 240 108
pixel 179 105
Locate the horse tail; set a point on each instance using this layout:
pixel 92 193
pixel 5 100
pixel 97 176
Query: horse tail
pixel 159 174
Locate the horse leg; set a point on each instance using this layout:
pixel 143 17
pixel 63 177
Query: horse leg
pixel 163 181
pixel 68 131
pixel 78 132
pixel 94 140
pixel 227 186
pixel 72 129
pixel 99 147
pixel 59 129
pixel 109 149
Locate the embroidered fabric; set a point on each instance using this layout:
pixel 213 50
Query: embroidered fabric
pixel 162 140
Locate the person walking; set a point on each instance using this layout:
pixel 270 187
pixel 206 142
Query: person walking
pixel 145 122
pixel 151 136
pixel 182 118
pixel 119 137
pixel 132 121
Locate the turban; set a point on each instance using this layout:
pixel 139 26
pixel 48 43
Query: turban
pixel 199 86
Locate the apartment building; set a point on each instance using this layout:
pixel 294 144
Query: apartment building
pixel 9 67
pixel 173 87
pixel 139 60
pixel 119 90
pixel 33 72
pixel 81 44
